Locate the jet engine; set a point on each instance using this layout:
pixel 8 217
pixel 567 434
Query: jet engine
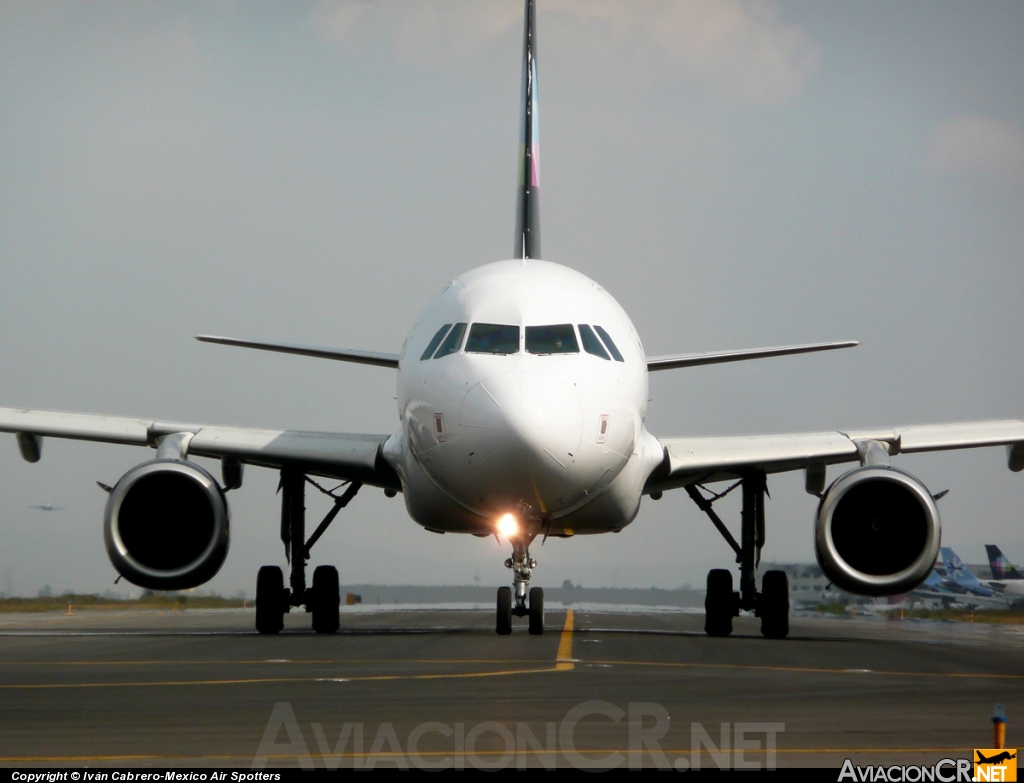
pixel 877 531
pixel 166 525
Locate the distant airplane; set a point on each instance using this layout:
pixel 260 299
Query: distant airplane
pixel 959 574
pixel 48 506
pixel 1006 578
pixel 935 588
pixel 1002 568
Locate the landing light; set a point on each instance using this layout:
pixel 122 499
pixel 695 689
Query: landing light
pixel 507 526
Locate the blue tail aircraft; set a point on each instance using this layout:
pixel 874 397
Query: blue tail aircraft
pixel 958 573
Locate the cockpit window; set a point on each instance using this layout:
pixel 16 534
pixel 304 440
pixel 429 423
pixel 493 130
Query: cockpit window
pixel 560 338
pixel 493 338
pixel 453 342
pixel 435 341
pixel 608 341
pixel 591 344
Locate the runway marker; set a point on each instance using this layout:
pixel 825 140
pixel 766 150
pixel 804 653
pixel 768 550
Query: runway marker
pixel 563 658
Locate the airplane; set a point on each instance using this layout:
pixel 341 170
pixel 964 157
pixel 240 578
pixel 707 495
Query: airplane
pixel 976 594
pixel 999 757
pixel 936 585
pixel 934 588
pixel 1006 578
pixel 522 393
pixel 48 506
pixel 958 573
pixel 1002 568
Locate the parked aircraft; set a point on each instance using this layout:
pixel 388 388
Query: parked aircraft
pixel 935 587
pixel 1006 578
pixel 958 573
pixel 522 395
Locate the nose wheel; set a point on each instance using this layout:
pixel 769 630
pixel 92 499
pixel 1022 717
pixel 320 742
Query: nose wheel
pixel 525 601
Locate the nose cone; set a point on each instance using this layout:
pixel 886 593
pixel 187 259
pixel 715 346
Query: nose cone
pixel 521 432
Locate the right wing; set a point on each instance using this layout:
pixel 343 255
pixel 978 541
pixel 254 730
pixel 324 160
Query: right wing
pixel 674 361
pixel 341 455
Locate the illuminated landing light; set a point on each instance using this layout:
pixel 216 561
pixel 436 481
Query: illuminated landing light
pixel 507 526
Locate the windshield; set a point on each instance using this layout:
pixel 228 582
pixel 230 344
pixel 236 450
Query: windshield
pixel 560 338
pixel 591 344
pixel 493 338
pixel 453 342
pixel 435 341
pixel 608 341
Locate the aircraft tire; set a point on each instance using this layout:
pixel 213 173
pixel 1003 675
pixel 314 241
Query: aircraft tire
pixel 504 624
pixel 269 600
pixel 718 603
pixel 774 605
pixel 536 611
pixel 326 599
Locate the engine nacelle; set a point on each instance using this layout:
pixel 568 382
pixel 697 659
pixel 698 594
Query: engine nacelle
pixel 877 531
pixel 166 525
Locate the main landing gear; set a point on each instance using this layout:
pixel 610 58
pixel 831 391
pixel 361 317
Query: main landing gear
pixel 323 598
pixel 522 566
pixel 721 604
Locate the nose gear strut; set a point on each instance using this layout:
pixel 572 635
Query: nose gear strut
pixel 529 602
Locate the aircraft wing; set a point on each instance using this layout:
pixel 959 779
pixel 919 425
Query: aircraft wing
pixel 375 358
pixel 674 361
pixel 690 460
pixel 347 456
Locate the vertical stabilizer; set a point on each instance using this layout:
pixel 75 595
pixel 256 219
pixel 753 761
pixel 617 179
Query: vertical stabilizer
pixel 958 573
pixel 528 192
pixel 1002 568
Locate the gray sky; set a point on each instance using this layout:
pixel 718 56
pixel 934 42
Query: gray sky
pixel 736 174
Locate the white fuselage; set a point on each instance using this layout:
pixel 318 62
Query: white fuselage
pixel 516 419
pixel 1007 586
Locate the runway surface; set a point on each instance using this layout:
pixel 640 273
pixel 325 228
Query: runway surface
pixel 431 686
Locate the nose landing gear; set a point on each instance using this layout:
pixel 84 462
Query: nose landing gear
pixel 529 602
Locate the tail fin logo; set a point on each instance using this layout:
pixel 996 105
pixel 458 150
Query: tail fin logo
pixel 1002 568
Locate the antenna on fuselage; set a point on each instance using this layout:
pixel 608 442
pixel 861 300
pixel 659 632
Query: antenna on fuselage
pixel 528 192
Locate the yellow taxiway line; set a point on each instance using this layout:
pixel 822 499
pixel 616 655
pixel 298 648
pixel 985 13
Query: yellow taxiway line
pixel 563 662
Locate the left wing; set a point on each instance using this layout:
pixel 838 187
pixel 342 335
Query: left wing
pixel 341 455
pixel 690 460
pixel 375 358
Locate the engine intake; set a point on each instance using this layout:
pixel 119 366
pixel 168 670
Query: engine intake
pixel 877 531
pixel 166 525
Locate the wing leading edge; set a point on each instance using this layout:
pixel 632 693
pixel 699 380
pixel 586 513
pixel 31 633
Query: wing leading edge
pixel 375 358
pixel 347 456
pixel 674 361
pixel 689 460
